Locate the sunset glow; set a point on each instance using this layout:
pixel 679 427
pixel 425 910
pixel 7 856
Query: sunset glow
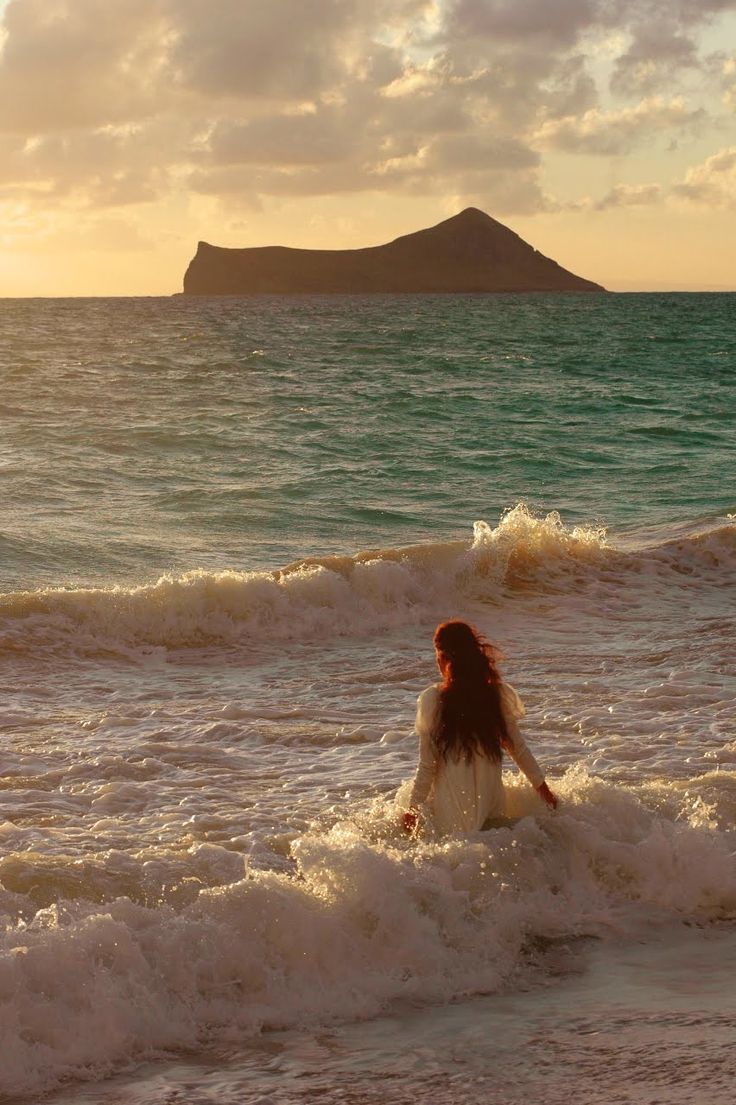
pixel 603 133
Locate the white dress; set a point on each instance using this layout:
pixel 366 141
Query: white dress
pixel 462 796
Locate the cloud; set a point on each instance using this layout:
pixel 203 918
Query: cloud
pixel 504 171
pixel 558 23
pixel 656 37
pixel 106 104
pixel 81 64
pixel 713 182
pixel 631 195
pixel 423 133
pixel 282 50
pixel 109 166
pixel 314 138
pixel 570 90
pixel 657 52
pixel 729 82
pixel 479 151
pixel 616 132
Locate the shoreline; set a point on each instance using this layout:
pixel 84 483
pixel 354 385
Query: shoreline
pixel 641 1021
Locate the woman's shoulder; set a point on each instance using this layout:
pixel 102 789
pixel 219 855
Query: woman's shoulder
pixel 511 701
pixel 430 696
pixel 427 706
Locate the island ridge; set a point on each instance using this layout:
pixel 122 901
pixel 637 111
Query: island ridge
pixel 470 252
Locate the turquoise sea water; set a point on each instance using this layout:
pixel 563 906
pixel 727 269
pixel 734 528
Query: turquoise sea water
pixel 229 530
pixel 150 435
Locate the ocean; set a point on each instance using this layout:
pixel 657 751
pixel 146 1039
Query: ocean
pixel 230 527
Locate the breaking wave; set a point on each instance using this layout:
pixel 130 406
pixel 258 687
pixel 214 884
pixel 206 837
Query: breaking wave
pixel 344 594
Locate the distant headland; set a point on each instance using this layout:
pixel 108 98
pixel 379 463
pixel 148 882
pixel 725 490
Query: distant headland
pixel 471 252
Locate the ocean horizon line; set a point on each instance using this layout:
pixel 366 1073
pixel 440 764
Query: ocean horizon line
pixel 374 295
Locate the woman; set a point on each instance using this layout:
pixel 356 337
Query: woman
pixel 464 725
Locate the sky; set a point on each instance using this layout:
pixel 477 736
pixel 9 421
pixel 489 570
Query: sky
pixel 601 131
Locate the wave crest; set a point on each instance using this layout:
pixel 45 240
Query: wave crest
pixel 326 596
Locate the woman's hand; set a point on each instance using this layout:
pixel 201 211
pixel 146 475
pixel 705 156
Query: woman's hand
pixel 544 792
pixel 409 821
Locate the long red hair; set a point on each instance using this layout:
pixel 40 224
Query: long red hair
pixel 471 717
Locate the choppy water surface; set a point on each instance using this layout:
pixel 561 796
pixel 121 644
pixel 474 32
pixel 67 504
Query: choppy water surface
pixel 230 528
pixel 148 435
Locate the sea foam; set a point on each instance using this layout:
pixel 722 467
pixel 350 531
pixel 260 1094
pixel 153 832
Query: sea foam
pixel 365 918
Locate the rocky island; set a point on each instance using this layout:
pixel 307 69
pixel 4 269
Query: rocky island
pixel 470 252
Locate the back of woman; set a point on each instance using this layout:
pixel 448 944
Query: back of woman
pixel 464 724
